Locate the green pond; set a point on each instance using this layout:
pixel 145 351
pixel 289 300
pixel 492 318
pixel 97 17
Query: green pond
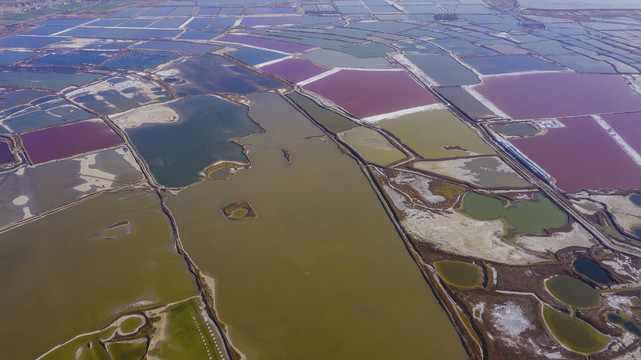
pixel 485 171
pixel 329 119
pixel 436 134
pixel 625 322
pixel 573 292
pixel 177 153
pixel 372 145
pixel 574 333
pixel 49 300
pixel 516 129
pixel 459 273
pixel 521 217
pixel 321 273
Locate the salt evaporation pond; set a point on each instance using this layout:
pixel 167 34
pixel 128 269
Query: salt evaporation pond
pixel 465 102
pixel 436 134
pixel 485 171
pixel 459 273
pixel 264 43
pixel 253 56
pixel 212 73
pixel 329 119
pixel 116 273
pixel 574 333
pixel 366 93
pixel 592 270
pixel 5 153
pixel 358 293
pixel 372 146
pixel 67 140
pixel 502 64
pixel 628 126
pixel 177 153
pixel 521 217
pixel 573 292
pixel 294 70
pixel 270 20
pixel 446 70
pixel 580 156
pixel 559 94
pixel 515 129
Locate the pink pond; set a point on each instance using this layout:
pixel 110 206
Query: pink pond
pixel 68 140
pixel 628 126
pixel 271 20
pixel 582 156
pixel 548 95
pixel 368 93
pixel 265 43
pixel 294 70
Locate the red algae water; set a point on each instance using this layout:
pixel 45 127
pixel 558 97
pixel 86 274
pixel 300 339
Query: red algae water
pixel 295 70
pixel 548 95
pixel 68 140
pixel 628 126
pixel 367 93
pixel 582 155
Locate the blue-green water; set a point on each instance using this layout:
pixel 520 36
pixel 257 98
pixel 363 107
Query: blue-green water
pixel 178 153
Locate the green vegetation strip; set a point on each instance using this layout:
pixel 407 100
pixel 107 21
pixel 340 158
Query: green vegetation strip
pixel 187 334
pixel 574 333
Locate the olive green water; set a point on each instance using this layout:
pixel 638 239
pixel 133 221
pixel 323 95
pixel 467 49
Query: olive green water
pixel 59 279
pixel 321 272
pixel 522 217
pixel 459 273
pixel 372 145
pixel 574 333
pixel 573 292
pixel 436 134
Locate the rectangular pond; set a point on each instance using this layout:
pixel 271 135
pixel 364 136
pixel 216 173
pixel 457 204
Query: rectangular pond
pixel 67 140
pixel 548 95
pixel 294 70
pixel 446 70
pixel 368 93
pixel 581 156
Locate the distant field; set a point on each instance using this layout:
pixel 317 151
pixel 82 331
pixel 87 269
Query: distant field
pixel 29 15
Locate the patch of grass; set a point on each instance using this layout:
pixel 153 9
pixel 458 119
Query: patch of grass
pixel 13 18
pixel 188 335
pixel 128 350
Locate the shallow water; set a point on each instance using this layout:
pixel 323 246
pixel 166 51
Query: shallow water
pixel 436 134
pixel 372 145
pixel 574 333
pixel 592 270
pixel 459 273
pixel 522 217
pixel 177 153
pixel 41 280
pixel 321 272
pixel 573 292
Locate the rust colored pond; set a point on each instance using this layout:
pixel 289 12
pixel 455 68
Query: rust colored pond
pixel 68 140
pixel 548 95
pixel 367 93
pixel 628 126
pixel 581 155
pixel 294 70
